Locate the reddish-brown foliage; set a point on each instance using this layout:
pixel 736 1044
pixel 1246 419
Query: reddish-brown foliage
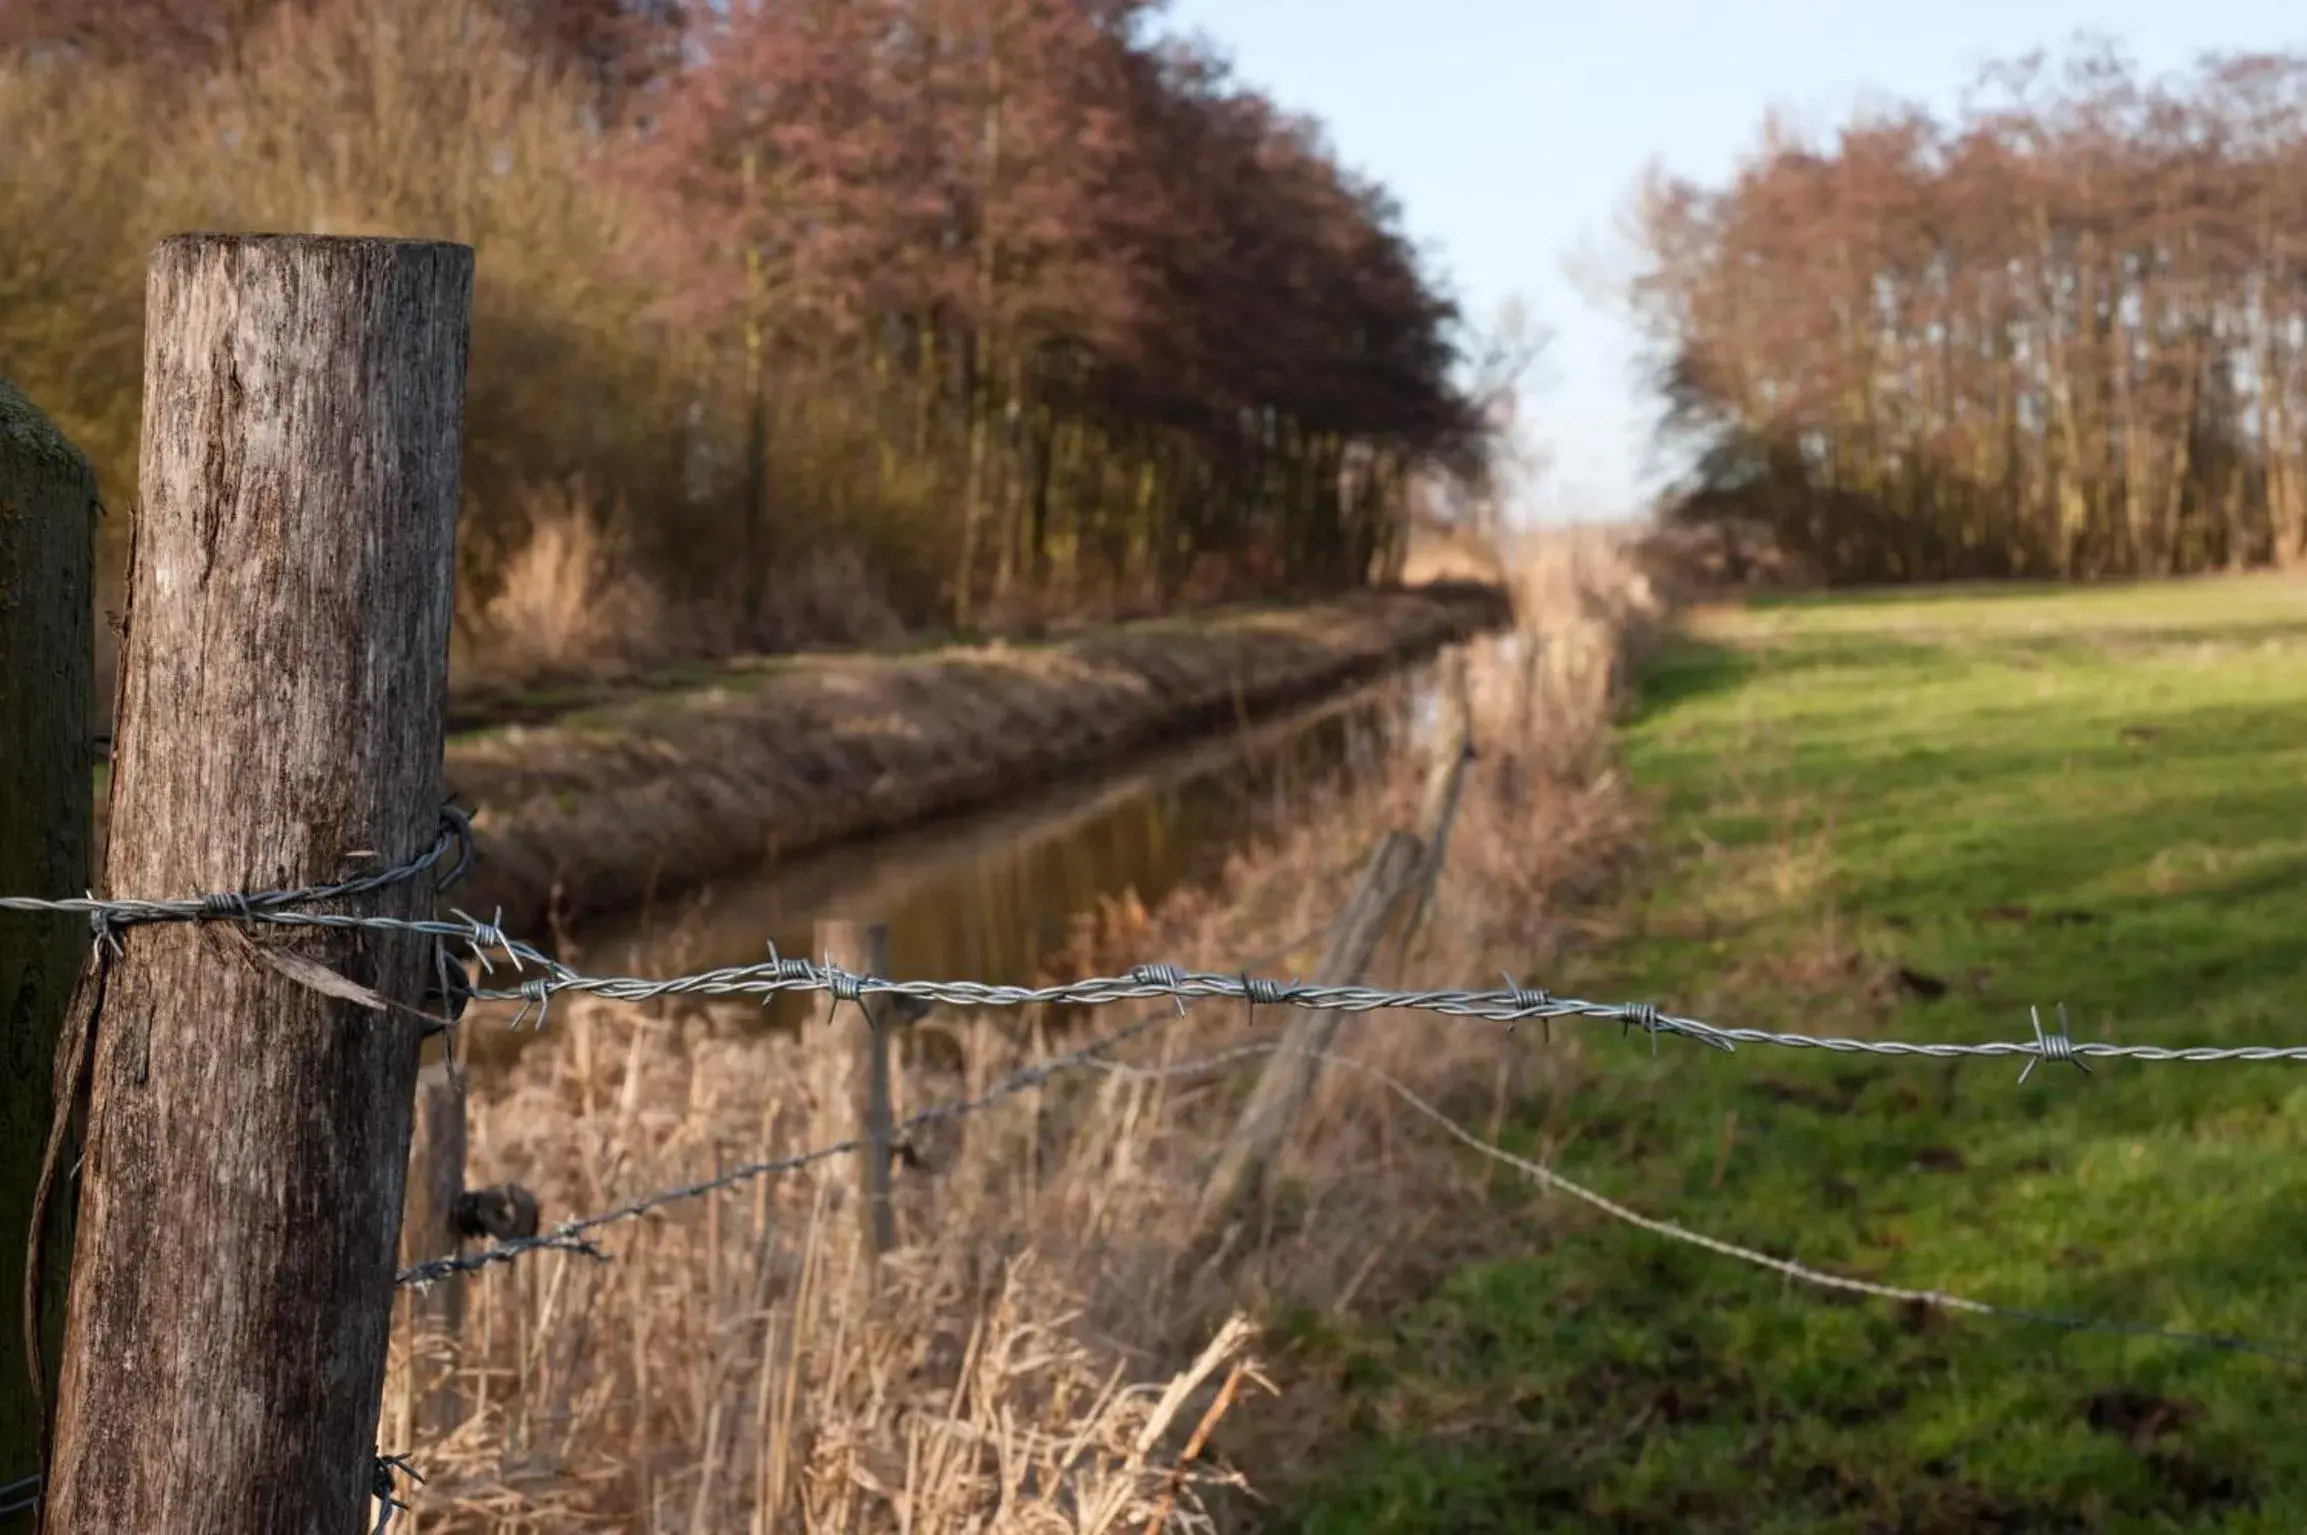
pixel 1035 311
pixel 1023 219
pixel 2063 334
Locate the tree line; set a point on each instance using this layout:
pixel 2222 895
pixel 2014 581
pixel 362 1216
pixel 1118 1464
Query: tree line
pixel 1024 307
pixel 2061 332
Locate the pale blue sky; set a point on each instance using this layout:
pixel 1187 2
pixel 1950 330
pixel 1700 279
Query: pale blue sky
pixel 1512 130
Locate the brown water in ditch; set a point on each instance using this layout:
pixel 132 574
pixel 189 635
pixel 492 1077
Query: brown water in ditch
pixel 989 894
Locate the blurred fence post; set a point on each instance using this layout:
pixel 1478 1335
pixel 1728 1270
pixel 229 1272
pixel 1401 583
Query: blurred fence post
pixel 282 698
pixel 1403 866
pixel 423 1404
pixel 47 565
pixel 862 948
pixel 1446 764
pixel 1288 1076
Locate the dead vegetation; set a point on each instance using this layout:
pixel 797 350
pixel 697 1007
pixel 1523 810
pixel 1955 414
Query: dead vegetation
pixel 574 602
pixel 1033 1357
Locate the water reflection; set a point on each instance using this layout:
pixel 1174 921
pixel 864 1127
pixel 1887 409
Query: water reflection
pixel 986 896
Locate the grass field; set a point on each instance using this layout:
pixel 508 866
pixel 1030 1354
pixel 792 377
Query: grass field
pixel 2016 797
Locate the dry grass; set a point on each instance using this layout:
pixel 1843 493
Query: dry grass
pixel 1438 552
pixel 1033 1357
pixel 570 602
pixel 573 600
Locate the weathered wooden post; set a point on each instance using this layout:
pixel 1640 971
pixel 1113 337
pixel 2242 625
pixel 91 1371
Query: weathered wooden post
pixel 1446 764
pixel 1403 868
pixel 1289 1075
pixel 282 694
pixel 47 564
pixel 863 948
pixel 424 1403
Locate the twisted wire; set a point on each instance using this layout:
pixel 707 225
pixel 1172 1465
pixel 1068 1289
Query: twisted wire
pixel 108 915
pixel 544 979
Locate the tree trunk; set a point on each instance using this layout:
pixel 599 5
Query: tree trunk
pixel 755 582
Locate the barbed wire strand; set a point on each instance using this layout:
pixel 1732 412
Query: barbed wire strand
pixel 571 1235
pixel 780 974
pixel 1513 1005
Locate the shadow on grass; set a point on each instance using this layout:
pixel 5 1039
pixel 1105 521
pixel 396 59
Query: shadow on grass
pixel 1684 670
pixel 1612 1380
pixel 2011 591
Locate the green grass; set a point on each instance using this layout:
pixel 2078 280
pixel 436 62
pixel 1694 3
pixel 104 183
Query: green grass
pixel 2097 798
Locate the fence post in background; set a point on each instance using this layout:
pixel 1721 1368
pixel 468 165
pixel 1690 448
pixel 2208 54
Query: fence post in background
pixel 1530 664
pixel 283 689
pixel 863 948
pixel 426 1405
pixel 1288 1076
pixel 1446 765
pixel 47 565
pixel 1402 865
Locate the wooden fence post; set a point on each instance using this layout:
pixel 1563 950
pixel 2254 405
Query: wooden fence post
pixel 47 565
pixel 283 689
pixel 1446 764
pixel 1402 866
pixel 1289 1075
pixel 863 948
pixel 425 1404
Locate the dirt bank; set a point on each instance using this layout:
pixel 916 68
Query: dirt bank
pixel 645 797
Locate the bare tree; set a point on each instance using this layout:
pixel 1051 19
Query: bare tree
pixel 2058 335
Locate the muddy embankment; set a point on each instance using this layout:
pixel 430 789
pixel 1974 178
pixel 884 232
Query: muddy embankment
pixel 642 799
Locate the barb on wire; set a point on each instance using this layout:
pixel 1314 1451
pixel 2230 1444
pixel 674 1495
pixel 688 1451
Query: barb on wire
pixel 1788 1267
pixel 384 1487
pixel 2052 1047
pixel 571 1235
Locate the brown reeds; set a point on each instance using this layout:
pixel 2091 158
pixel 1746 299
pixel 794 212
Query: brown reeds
pixel 1030 1357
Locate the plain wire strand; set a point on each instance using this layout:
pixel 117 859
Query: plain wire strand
pixel 1787 1267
